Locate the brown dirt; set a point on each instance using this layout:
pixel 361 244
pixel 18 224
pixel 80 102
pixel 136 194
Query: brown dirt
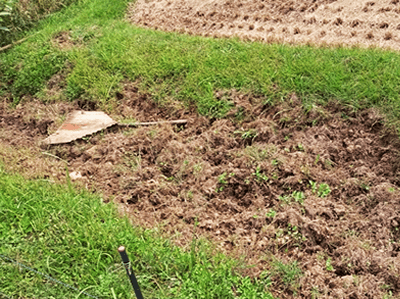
pixel 63 41
pixel 358 22
pixel 214 172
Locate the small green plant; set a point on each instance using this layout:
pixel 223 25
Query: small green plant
pixel 365 186
pixel 222 182
pixel 344 115
pixel 313 186
pixel 295 234
pixel 298 196
pixel 323 190
pixel 389 295
pixel 275 162
pixel 315 293
pixel 152 134
pixel 197 169
pixel 285 199
pixel 249 134
pixel 317 159
pixel 133 161
pixel 221 178
pixel 271 213
pixel 328 265
pixel 257 153
pixel 290 273
pixel 259 175
pixel 240 114
pixel 300 147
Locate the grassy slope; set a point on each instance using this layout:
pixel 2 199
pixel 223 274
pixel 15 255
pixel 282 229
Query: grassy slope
pixel 192 68
pixel 73 237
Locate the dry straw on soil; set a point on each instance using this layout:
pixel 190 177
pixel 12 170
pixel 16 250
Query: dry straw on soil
pixel 338 22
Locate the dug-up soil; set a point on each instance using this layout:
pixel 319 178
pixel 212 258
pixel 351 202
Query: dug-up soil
pixel 337 22
pixel 318 186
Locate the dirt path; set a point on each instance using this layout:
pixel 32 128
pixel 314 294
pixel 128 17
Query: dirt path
pixel 359 22
pixel 318 187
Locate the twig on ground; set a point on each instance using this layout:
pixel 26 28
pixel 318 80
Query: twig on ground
pixel 54 156
pixel 15 43
pixel 152 123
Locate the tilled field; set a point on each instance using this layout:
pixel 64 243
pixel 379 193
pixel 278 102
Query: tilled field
pixel 318 186
pixel 337 22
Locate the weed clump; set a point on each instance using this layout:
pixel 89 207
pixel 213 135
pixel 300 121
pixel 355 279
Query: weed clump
pixel 289 273
pixel 18 16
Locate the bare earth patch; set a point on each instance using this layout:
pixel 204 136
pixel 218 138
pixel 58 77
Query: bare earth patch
pixel 63 41
pixel 320 187
pixel 335 22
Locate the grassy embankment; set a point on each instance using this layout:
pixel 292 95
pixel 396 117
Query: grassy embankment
pixel 108 50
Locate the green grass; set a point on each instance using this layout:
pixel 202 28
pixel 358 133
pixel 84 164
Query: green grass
pixel 289 273
pixel 18 16
pixel 73 237
pixel 191 69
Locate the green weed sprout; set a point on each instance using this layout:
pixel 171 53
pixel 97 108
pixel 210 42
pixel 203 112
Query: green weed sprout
pixel 328 265
pixel 322 190
pixel 260 176
pixel 222 181
pixel 271 213
pixel 290 273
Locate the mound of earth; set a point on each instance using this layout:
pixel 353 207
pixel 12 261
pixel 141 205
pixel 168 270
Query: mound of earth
pixel 358 22
pixel 319 186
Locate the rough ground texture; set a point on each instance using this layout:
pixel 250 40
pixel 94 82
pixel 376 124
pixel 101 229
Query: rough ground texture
pixel 350 22
pixel 318 186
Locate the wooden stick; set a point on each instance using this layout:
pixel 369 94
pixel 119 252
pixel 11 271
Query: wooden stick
pixel 153 123
pixel 13 44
